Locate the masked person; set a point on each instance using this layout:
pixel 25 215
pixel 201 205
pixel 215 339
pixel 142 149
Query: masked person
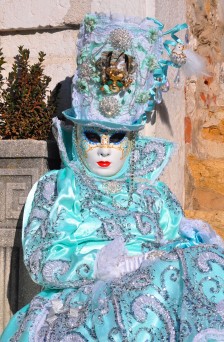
pixel 107 240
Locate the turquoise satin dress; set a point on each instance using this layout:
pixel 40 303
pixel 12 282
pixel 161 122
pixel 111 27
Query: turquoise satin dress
pixel 177 294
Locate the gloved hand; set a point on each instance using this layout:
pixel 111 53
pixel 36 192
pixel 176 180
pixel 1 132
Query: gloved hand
pixel 113 262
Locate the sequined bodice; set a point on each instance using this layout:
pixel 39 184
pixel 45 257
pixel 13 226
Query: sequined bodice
pixel 105 204
pixel 79 215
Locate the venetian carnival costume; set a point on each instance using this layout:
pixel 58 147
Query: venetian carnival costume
pixel 116 257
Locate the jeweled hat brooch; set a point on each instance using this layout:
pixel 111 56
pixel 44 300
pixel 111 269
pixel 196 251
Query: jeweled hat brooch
pixel 120 71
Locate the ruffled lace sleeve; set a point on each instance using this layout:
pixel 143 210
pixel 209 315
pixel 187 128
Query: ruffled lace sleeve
pixel 200 232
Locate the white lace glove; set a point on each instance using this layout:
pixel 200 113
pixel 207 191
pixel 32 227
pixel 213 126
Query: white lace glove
pixel 113 262
pixel 132 263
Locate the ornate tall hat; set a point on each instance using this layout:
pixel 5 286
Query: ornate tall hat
pixel 120 71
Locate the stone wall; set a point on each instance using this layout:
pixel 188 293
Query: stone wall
pixel 171 127
pixel 204 121
pixel 22 162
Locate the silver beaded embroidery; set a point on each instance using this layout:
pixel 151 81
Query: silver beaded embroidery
pixel 52 269
pixel 34 262
pixel 120 39
pixel 111 187
pixel 74 338
pixel 109 106
pixel 85 71
pixel 210 335
pixel 139 308
pixel 220 309
pixel 204 258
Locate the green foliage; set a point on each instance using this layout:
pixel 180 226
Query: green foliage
pixel 25 109
pixel 2 61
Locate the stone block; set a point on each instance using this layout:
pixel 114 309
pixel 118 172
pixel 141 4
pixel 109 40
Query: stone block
pixel 204 98
pixel 190 97
pixel 207 174
pixel 125 7
pixel 57 44
pixel 205 148
pixel 28 148
pixel 77 11
pixel 214 217
pixel 22 162
pixel 15 186
pixel 214 132
pixel 5 289
pixel 205 199
pixel 188 129
pixel 39 14
pixel 16 286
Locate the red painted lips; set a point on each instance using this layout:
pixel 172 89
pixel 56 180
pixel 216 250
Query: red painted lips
pixel 103 163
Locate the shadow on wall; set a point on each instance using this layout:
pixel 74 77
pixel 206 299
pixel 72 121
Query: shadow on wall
pixel 164 116
pixel 162 111
pixel 64 96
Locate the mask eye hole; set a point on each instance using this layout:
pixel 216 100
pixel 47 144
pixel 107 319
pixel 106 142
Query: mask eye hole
pixel 92 137
pixel 117 137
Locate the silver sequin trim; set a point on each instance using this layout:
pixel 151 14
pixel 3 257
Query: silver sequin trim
pixel 54 268
pixel 204 258
pixel 139 306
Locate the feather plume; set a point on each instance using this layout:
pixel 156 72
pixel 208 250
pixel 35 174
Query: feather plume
pixel 195 65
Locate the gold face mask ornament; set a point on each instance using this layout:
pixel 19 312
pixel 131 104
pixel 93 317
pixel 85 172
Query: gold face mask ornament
pixel 116 67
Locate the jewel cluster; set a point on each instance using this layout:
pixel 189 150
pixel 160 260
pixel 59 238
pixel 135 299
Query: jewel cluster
pixel 120 39
pixel 109 106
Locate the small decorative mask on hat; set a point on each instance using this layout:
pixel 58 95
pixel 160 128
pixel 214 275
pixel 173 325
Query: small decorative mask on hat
pixel 116 69
pixel 177 55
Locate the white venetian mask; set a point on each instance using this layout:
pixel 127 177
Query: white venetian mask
pixel 102 151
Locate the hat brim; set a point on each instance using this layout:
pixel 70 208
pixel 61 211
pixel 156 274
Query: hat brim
pixel 137 126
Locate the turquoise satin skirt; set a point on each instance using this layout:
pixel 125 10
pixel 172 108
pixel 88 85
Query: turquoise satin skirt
pixel 176 296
